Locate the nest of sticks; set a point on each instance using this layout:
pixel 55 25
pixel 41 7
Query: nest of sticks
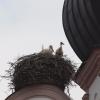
pixel 40 68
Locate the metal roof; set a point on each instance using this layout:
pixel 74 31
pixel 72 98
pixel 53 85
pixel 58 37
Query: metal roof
pixel 81 25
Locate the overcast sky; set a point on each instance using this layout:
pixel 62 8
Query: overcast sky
pixel 26 25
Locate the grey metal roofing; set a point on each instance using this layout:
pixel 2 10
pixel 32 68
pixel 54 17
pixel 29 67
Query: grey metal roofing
pixel 81 22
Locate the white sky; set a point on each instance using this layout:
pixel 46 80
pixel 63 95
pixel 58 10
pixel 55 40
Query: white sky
pixel 24 26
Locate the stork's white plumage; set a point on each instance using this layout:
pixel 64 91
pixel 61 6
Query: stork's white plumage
pixel 47 51
pixel 59 51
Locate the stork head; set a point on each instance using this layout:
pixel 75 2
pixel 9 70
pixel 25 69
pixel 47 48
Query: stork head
pixel 61 43
pixel 51 47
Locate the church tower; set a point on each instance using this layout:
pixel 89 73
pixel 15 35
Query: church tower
pixel 81 22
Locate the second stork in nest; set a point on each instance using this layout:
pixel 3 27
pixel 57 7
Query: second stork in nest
pixel 59 51
pixel 48 50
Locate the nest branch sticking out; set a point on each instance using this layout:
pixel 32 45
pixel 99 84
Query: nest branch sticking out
pixel 41 68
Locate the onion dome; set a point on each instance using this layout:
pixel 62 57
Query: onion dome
pixel 81 22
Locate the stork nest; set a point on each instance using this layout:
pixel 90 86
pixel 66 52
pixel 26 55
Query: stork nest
pixel 40 68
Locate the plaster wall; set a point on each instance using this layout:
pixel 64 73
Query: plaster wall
pixel 94 90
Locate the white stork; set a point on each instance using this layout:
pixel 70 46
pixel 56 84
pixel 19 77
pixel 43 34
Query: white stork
pixel 59 51
pixel 47 51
